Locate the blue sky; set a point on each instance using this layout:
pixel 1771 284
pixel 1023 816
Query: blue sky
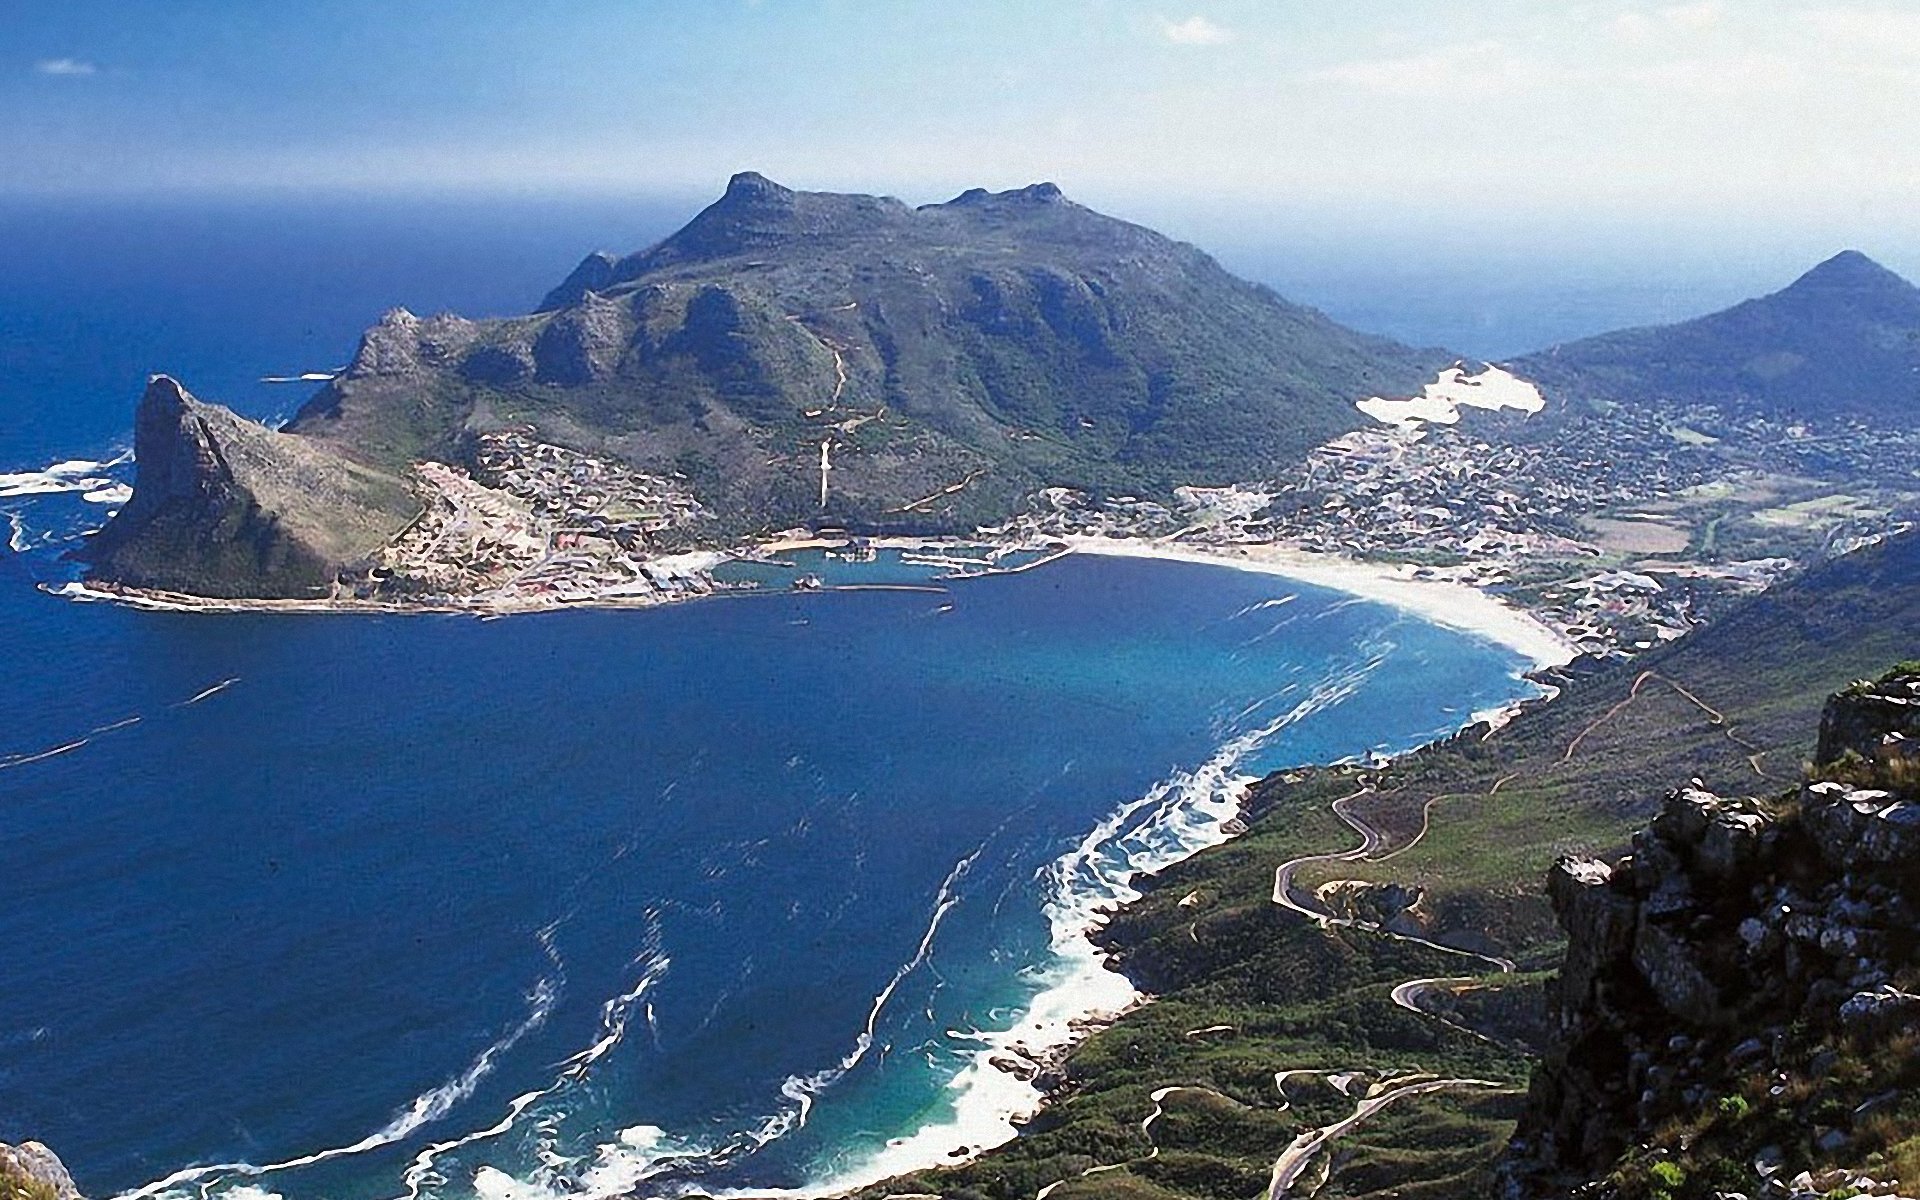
pixel 1703 115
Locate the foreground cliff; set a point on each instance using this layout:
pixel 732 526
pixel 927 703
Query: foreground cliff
pixel 223 506
pixel 1738 1010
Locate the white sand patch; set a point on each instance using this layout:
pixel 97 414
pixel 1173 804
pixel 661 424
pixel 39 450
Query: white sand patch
pixel 1440 402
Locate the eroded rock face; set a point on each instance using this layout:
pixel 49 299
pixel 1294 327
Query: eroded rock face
pixel 1736 931
pixel 226 507
pixel 33 1161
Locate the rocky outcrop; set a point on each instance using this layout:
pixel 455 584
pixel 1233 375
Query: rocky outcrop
pixel 1738 960
pixel 226 507
pixel 1873 721
pixel 30 1171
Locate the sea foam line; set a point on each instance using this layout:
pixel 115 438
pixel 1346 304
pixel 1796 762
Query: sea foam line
pixel 215 690
pixel 9 761
pixel 1178 817
pixel 615 1015
pixel 644 1152
pixel 428 1106
pixel 804 1089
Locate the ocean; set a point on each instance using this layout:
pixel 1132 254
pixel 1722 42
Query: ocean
pixel 734 894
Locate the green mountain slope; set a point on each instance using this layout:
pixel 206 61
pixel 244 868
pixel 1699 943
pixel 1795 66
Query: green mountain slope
pixel 1247 988
pixel 794 358
pixel 1842 340
pixel 1009 340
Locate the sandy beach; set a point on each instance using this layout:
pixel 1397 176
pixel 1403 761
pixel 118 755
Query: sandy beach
pixel 1453 605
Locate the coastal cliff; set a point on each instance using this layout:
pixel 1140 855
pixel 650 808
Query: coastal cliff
pixel 1737 1011
pixel 30 1171
pixel 223 506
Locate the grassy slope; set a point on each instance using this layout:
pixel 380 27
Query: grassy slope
pixel 1299 997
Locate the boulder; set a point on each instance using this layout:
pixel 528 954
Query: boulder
pixel 33 1161
pixel 1883 1010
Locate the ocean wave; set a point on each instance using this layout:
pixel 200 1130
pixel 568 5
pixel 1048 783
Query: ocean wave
pixel 9 761
pixel 644 1152
pixel 495 1184
pixel 203 694
pixel 1181 815
pixel 70 475
pixel 427 1107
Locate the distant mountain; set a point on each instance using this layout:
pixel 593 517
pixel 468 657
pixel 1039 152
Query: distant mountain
pixel 1842 340
pixel 951 359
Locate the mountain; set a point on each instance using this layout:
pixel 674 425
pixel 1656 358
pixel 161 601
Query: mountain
pixel 1469 830
pixel 225 507
pixel 1843 340
pixel 1017 339
pixel 945 361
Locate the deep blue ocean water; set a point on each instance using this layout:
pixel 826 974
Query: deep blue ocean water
pixel 720 894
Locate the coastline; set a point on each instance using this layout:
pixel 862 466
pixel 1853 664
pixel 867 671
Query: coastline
pixel 1011 1077
pixel 1458 606
pixel 1087 994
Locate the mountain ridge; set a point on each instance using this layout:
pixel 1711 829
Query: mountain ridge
pixel 1841 340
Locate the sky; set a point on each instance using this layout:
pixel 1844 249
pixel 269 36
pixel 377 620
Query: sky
pixel 1722 124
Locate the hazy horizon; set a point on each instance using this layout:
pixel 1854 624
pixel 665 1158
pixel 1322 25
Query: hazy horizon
pixel 1773 117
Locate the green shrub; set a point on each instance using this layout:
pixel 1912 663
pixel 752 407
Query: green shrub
pixel 1667 1177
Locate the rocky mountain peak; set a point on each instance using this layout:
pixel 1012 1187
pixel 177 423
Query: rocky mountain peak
pixel 1033 193
pixel 225 506
pixel 751 187
pixel 173 445
pixel 1851 272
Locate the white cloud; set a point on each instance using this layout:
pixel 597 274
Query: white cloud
pixel 65 66
pixel 1641 26
pixel 1195 31
pixel 1879 32
pixel 1474 69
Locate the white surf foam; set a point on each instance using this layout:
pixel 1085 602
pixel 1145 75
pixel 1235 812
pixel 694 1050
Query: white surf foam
pixel 615 1016
pixel 1182 815
pixel 302 377
pixel 113 493
pixel 429 1106
pixel 70 475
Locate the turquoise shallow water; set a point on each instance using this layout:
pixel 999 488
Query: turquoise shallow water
pixel 596 895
